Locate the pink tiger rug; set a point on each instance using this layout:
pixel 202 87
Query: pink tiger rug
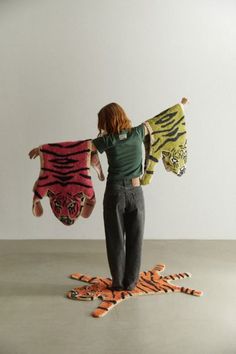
pixel 150 282
pixel 65 178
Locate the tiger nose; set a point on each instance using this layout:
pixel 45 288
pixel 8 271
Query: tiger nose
pixel 181 171
pixel 66 220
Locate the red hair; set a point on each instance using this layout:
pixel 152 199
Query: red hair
pixel 113 119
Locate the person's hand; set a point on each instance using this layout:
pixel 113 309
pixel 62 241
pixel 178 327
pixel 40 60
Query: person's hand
pixel 184 100
pixel 34 153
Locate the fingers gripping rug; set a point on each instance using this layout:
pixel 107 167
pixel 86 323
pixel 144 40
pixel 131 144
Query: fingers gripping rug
pixel 150 282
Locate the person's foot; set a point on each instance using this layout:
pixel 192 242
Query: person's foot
pixel 129 287
pixel 115 288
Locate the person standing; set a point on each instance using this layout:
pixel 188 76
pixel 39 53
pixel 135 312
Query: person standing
pixel 123 202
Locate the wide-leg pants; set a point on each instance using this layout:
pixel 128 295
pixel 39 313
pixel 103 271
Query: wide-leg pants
pixel 124 217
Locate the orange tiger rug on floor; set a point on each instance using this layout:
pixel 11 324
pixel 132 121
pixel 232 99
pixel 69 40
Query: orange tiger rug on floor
pixel 150 282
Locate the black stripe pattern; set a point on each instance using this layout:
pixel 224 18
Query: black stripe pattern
pixel 150 282
pixel 65 165
pixel 167 139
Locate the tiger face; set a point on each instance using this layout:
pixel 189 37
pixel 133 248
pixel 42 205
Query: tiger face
pixel 65 206
pixel 175 160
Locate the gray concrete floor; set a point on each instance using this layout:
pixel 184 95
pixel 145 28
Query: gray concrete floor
pixel 37 318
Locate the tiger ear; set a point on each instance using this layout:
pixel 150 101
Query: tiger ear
pixel 166 153
pixel 50 194
pixel 78 195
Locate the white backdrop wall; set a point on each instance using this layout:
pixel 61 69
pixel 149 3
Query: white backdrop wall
pixel 62 60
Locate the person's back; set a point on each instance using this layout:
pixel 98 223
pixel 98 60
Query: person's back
pixel 124 152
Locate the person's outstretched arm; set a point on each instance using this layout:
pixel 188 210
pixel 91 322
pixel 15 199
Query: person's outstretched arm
pixel 35 151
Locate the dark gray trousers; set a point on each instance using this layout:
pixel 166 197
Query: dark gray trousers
pixel 124 216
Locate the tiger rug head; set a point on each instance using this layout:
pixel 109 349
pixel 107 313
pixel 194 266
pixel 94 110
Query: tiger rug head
pixel 150 282
pixel 65 206
pixel 167 141
pixel 175 160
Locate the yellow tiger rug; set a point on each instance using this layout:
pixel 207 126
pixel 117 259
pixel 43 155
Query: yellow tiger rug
pixel 150 282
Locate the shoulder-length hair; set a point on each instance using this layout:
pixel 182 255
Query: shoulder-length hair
pixel 112 119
